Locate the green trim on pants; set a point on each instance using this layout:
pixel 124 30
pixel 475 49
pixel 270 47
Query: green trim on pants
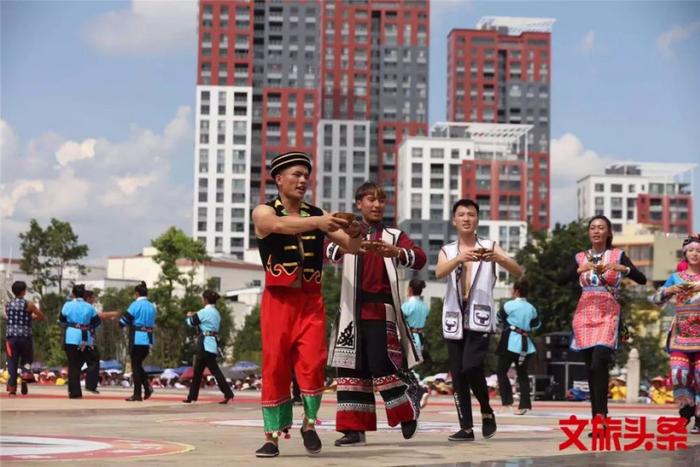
pixel 311 406
pixel 277 418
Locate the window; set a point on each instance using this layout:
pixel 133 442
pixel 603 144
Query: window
pixel 220 161
pixel 220 190
pixel 203 161
pixel 599 187
pixel 437 153
pixel 631 189
pixel 239 132
pixel 616 188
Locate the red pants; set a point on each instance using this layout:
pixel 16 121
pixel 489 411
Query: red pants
pixel 293 327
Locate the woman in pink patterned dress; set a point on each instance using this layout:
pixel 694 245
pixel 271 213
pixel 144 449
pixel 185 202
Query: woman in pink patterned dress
pixel 596 322
pixel 683 290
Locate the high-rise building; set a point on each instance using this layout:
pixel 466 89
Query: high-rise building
pixel 500 72
pixel 375 67
pixel 304 67
pixel 437 170
pixel 654 194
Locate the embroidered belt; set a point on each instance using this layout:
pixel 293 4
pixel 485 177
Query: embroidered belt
pixel 84 328
pixel 520 331
pixel 210 333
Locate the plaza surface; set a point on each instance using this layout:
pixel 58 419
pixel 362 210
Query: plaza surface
pixel 45 427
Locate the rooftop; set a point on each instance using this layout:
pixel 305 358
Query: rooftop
pixel 506 133
pixel 516 25
pixel 650 169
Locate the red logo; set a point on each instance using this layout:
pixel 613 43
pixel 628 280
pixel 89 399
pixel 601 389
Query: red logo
pixel 609 434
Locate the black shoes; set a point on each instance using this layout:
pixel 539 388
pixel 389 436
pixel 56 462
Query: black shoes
pixel 462 435
pixel 312 442
pixel 269 449
pixel 187 401
pixel 134 399
pixel 408 429
pixel 687 413
pixel 297 402
pixel 148 392
pixel 696 428
pixel 94 391
pixel 488 426
pixel 24 389
pixel 352 438
pixel 226 399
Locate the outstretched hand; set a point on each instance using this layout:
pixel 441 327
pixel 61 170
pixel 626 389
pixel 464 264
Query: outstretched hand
pixel 329 223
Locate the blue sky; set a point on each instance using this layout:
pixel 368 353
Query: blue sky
pixel 97 97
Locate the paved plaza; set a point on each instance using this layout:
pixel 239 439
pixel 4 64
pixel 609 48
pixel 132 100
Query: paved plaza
pixel 105 430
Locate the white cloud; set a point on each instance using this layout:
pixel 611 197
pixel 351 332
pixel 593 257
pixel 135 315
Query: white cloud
pixel 587 44
pixel 71 151
pixel 147 27
pixel 677 34
pixel 8 140
pixel 21 188
pixel 119 196
pixel 129 185
pixel 570 161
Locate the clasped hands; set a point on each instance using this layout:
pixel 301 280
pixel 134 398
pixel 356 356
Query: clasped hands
pixel 687 287
pixel 341 221
pixel 479 254
pixel 601 268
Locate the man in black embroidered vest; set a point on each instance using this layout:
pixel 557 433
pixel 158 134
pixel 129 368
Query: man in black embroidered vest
pixel 19 344
pixel 373 346
pixel 290 236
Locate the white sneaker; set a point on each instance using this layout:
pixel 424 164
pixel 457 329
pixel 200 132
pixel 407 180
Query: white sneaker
pixel 424 399
pixel 505 409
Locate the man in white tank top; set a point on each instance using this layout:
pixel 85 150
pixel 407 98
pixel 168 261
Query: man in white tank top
pixel 469 315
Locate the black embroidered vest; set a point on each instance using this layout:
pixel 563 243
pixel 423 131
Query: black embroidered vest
pixel 281 255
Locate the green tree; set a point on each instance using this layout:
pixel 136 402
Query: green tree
pixel 110 338
pixel 173 245
pixel 170 348
pixel 545 259
pixel 249 340
pixel 46 253
pixel 436 343
pixel 48 335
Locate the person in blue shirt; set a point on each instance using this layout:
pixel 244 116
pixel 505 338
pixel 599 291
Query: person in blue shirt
pixel 416 312
pixel 207 321
pixel 78 317
pixel 92 354
pixel 518 318
pixel 140 318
